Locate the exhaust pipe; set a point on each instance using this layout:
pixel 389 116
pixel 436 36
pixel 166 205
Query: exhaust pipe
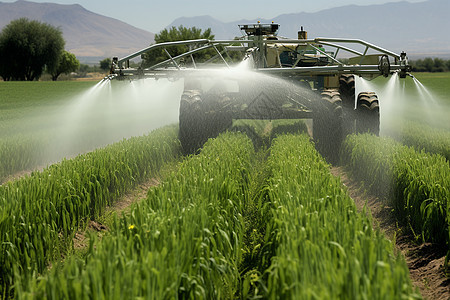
pixel 302 35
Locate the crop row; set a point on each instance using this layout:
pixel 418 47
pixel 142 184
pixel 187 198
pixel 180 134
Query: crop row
pixel 39 214
pixel 262 132
pixel 186 240
pixel 183 241
pixel 325 249
pixel 417 182
pixel 20 153
pixel 422 137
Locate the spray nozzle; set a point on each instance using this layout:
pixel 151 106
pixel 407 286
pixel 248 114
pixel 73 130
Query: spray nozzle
pixel 384 66
pixel 405 67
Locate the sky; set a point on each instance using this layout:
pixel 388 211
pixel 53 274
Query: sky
pixel 154 15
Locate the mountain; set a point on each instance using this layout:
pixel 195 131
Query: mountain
pixel 420 29
pixel 87 34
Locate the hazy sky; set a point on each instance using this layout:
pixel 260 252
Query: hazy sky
pixel 154 15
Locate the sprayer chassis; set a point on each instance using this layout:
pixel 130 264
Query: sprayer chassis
pixel 332 103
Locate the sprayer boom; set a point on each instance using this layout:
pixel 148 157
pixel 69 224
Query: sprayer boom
pixel 270 54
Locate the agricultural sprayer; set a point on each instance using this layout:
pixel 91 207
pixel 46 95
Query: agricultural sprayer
pixel 297 79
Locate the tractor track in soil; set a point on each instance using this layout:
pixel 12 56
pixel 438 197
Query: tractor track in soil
pixel 122 205
pixel 425 261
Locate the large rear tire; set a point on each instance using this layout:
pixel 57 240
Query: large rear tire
pixel 200 119
pixel 191 111
pixel 368 113
pixel 347 91
pixel 328 126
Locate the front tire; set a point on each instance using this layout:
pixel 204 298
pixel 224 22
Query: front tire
pixel 200 118
pixel 328 126
pixel 368 113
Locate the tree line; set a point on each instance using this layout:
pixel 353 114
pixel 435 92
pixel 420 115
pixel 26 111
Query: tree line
pixel 430 65
pixel 30 48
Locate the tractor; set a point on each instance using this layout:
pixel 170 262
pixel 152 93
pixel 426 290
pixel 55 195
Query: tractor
pixel 275 78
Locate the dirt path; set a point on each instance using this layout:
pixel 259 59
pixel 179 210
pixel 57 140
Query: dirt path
pixel 425 262
pixel 122 205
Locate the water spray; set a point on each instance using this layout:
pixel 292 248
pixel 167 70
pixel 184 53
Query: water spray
pixel 311 64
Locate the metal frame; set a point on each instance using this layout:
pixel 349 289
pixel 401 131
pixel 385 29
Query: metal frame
pixel 170 67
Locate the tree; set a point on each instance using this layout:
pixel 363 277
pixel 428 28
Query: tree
pixel 68 62
pixel 27 47
pixel 439 65
pixel 178 34
pixel 428 64
pixel 105 64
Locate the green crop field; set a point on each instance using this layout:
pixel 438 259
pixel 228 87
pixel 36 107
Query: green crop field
pixel 438 83
pixel 256 214
pixel 230 224
pixel 43 122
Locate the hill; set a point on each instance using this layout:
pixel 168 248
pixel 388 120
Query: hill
pixel 87 34
pixel 420 28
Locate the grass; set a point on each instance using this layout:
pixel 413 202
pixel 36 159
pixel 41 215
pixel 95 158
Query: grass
pixel 44 122
pixel 21 100
pixel 422 137
pixel 221 228
pixel 438 83
pixel 192 233
pixel 416 182
pixel 324 248
pixel 183 241
pixel 40 213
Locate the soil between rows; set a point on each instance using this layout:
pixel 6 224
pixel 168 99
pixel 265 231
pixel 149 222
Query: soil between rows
pixel 122 205
pixel 425 261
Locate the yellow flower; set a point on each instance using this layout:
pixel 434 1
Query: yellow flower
pixel 131 227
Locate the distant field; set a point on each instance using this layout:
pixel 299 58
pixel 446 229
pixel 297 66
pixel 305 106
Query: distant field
pixel 23 103
pixel 31 106
pixel 437 83
pixel 19 93
pixel 43 122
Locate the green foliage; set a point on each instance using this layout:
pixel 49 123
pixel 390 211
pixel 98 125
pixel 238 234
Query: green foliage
pixel 26 126
pixel 416 182
pixel 83 69
pixel 422 137
pixel 184 241
pixel 324 248
pixel 178 34
pixel 430 65
pixel 68 62
pixel 191 234
pixel 39 214
pixel 37 124
pixel 27 47
pixel 105 64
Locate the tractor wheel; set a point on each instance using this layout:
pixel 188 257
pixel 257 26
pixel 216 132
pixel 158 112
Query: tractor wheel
pixel 199 120
pixel 191 111
pixel 368 113
pixel 328 126
pixel 347 91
